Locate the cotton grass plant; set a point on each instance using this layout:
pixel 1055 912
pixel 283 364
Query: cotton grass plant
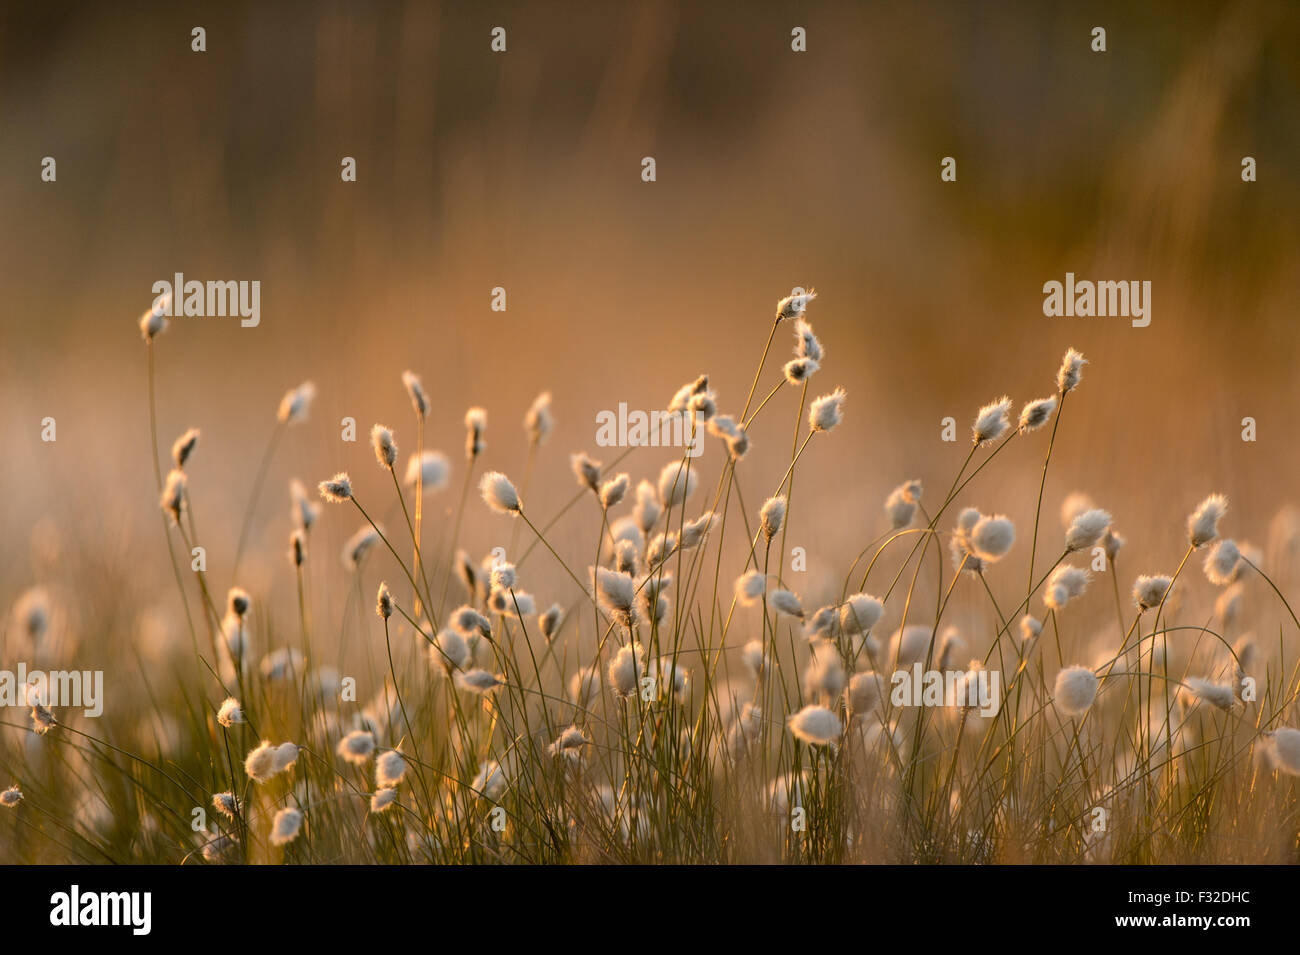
pixel 677 696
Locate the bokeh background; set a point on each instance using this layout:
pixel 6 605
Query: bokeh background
pixel 522 170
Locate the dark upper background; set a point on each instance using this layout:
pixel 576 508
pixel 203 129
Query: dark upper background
pixel 522 170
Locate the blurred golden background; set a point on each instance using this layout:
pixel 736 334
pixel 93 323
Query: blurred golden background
pixel 522 170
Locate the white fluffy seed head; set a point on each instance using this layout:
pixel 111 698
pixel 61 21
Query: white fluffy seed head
pixel 357 747
pixel 1223 562
pixel 548 621
pixel 703 406
pixel 503 576
pixel 513 603
pixel 722 426
pixel 866 691
pixel 824 678
pixel 681 401
pixel 772 516
pixel 415 389
pixel 1086 529
pixel 286 826
pixel 1149 590
pixel 627 557
pixel 677 482
pixel 11 797
pixel 173 495
pixel 693 532
pixel 390 767
pixel 783 601
pixel 900 505
pixel 475 428
pixel 991 537
pixel 337 489
pixel 1112 541
pixel 1284 748
pixel 1245 653
pixel 1197 690
pixel 615 591
pixel 794 305
pixel 304 510
pixel 827 411
pixel 449 650
pixel 428 470
pixel 296 403
pixel 1037 413
pixel 499 493
pixel 468 620
pixel 738 443
pixel 823 623
pixel 815 725
pixel 951 644
pixel 992 420
pixel 750 587
pixel 286 755
pixel 626 669
pixel 586 470
pixel 1065 583
pixel 806 344
pixel 798 370
pixel 184 446
pixel 154 321
pixel 911 644
pixel 230 712
pixel 1203 524
pixel 660 548
pixel 384 601
pixel 357 546
pixel 383 799
pixel 626 530
pixel 260 762
pixel 1071 371
pixel 1030 628
pixel 648 507
pixel 42 719
pixel 477 680
pixel 570 741
pixel 860 613
pixel 219 848
pixel 539 421
pixel 613 491
pixel 960 544
pixel 1076 689
pixel 751 655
